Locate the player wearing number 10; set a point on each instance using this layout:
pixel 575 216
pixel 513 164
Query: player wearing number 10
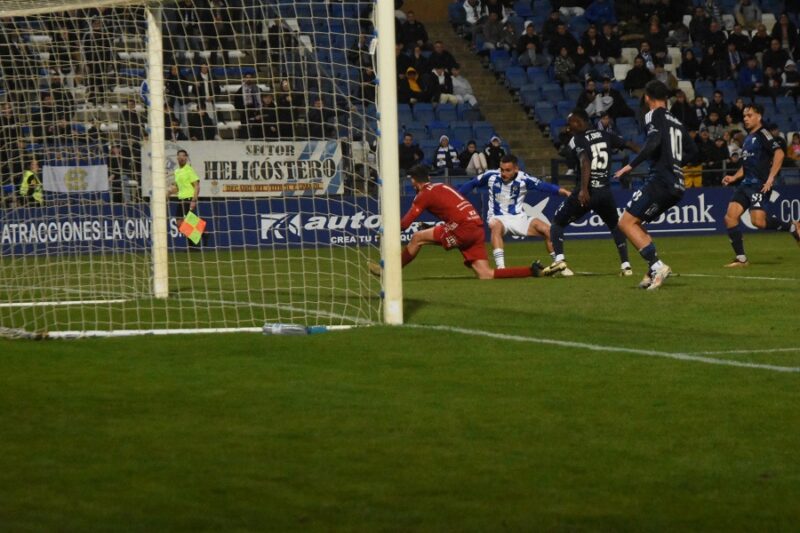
pixel 667 147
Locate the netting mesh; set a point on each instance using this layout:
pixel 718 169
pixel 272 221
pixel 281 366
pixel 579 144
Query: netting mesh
pixel 275 106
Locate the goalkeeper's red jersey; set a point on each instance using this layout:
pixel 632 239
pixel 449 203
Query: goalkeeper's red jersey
pixel 445 203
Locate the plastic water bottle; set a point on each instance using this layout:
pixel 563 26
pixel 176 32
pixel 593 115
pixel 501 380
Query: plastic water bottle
pixel 277 328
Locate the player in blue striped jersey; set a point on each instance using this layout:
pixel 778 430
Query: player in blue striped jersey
pixel 763 157
pixel 667 147
pixel 505 214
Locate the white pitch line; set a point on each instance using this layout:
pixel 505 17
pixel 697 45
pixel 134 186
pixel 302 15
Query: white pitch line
pixel 719 276
pixel 754 350
pixel 601 348
pixel 66 302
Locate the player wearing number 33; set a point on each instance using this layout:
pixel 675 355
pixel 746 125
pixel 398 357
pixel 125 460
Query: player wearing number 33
pixel 592 150
pixel 667 147
pixel 763 157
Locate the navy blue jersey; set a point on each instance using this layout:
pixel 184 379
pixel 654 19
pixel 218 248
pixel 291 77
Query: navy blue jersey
pixel 597 145
pixel 667 147
pixel 757 152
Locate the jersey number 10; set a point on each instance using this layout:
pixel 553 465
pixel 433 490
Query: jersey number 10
pixel 676 140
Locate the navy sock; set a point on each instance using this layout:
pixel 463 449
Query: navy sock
pixel 557 237
pixel 649 254
pixel 778 225
pixel 735 235
pixel 622 244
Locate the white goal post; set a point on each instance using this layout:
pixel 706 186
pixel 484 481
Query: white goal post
pixel 287 112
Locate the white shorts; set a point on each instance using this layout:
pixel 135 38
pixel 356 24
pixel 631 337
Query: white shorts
pixel 517 225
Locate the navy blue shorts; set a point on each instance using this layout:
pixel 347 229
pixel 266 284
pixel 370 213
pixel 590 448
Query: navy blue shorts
pixel 750 197
pixel 601 201
pixel 653 199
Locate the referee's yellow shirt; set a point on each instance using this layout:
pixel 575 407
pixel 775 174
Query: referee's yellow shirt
pixel 184 177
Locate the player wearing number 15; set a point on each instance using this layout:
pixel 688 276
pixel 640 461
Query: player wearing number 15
pixel 763 157
pixel 667 147
pixel 188 184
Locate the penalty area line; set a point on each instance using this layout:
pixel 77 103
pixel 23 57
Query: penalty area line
pixel 601 348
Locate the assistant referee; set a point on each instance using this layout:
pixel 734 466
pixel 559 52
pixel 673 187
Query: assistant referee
pixel 188 183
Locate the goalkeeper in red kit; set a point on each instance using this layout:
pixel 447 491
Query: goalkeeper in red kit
pixel 462 228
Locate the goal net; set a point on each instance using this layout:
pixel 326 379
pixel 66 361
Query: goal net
pixel 190 166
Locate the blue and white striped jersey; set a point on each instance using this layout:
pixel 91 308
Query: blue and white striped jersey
pixel 507 198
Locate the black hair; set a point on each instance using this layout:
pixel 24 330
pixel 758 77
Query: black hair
pixel 758 108
pixel 184 152
pixel 580 113
pixel 509 158
pixel 656 90
pixel 420 173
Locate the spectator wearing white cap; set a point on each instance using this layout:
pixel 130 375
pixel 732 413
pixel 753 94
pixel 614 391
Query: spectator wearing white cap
pixel 790 79
pixel 446 157
pixel 494 152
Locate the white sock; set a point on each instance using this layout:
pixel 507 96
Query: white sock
pixel 558 257
pixel 499 258
pixel 741 258
pixel 658 264
pixel 625 265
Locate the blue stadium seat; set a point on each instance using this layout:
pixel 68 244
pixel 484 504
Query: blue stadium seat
pixel 785 105
pixel 544 113
pixel 564 107
pixel 436 129
pixel 462 133
pixel 456 14
pixel 555 126
pixel 529 94
pixel 523 8
pixel 428 148
pixel 538 76
pixel 572 91
pixel 419 131
pixel 423 112
pixel 446 113
pixel 515 78
pixel 482 131
pixel 553 94
pixel 500 60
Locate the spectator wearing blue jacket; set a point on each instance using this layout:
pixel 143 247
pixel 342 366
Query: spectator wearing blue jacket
pixel 751 79
pixel 601 12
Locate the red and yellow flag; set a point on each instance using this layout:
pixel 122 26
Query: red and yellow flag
pixel 193 227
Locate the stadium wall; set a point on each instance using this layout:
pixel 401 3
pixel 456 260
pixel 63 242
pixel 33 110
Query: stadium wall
pixel 281 222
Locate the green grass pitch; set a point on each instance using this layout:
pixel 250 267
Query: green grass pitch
pixel 621 427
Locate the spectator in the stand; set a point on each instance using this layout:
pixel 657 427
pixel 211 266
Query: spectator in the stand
pixel 264 124
pixel 793 150
pixel 288 103
pixel 206 90
pixel 700 110
pixel 718 105
pixel 442 86
pixel 31 190
pixel 440 56
pixel 736 111
pixel 647 55
pixel 222 36
pixel 776 133
pixel 368 84
pixel 772 82
pixel 572 8
pixel 713 67
pixel 619 107
pixel 592 43
pixel 690 67
pixel 496 6
pixel 786 33
pixel 446 157
pixel 699 25
pixel 476 13
pixel 98 51
pixel 707 151
pixel 747 14
pixel 740 39
pixel 119 173
pixel 174 131
pixel 637 77
pixel 751 79
pixel 179 92
pixel 562 39
pixel 790 79
pixel 494 152
pixel 600 12
pixel 657 39
pixel 587 98
pixel 683 111
pixel 248 102
pixel 776 57
pixel 414 32
pixel 409 154
pixel 713 10
pixel 550 27
pixel 583 64
pixel 734 61
pixel 693 174
pixel 187 30
pixel 402 61
pixel 760 41
pixel 317 120
pixel 201 127
pixel 132 122
pixel 508 38
pixel 564 67
pixel 713 123
pixel 472 161
pixel 606 124
pixel 10 140
pixel 419 61
pixel 529 48
pixel 414 88
pixel 462 88
pixel 63 101
pixel 666 77
pixel 611 48
pixel 679 37
pixel 492 31
pixel 358 55
pixel 716 38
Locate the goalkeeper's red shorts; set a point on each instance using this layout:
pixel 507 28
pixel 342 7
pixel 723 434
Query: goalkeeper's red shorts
pixel 468 238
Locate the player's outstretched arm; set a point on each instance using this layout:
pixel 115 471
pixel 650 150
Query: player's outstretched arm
pixel 410 216
pixel 650 146
pixel 477 181
pixel 727 180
